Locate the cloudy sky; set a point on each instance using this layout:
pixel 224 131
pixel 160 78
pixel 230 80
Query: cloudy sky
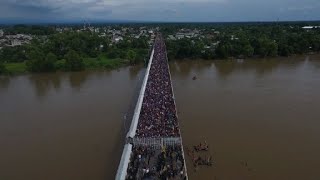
pixel 161 10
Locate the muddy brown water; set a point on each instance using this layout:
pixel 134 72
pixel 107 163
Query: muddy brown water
pixel 261 119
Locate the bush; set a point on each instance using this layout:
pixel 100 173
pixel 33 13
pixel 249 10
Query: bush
pixel 3 69
pixel 73 61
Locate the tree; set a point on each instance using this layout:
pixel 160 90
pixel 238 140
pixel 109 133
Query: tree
pixel 131 55
pixel 39 63
pixel 248 50
pixel 3 69
pixel 50 59
pixel 222 51
pixel 13 54
pixel 208 54
pixel 113 53
pixel 73 61
pixel 266 47
pixel 35 61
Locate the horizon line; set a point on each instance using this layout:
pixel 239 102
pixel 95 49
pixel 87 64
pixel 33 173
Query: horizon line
pixel 39 22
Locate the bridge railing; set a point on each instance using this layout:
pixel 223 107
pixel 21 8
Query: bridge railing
pixel 175 105
pixel 132 131
pixel 124 162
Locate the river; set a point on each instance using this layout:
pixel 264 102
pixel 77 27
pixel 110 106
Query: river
pixel 260 118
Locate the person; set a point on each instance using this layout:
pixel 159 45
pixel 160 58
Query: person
pixel 209 161
pixel 206 146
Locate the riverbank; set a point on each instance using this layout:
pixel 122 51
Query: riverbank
pixel 104 63
pixel 98 63
pixel 254 57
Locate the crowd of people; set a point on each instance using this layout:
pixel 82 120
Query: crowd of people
pixel 167 163
pixel 201 147
pixel 157 120
pixel 158 113
pixel 198 160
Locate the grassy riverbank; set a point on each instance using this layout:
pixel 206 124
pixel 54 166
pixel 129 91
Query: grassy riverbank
pixel 101 62
pixel 16 68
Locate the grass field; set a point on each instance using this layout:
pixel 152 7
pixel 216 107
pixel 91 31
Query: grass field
pixel 16 68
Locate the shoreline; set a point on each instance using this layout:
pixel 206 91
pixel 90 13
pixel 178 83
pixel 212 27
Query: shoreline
pixel 20 68
pixel 16 69
pixel 252 58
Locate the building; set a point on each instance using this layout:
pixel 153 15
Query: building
pixel 180 35
pixel 102 35
pixel 16 42
pixel 116 39
pixel 310 27
pixel 1 32
pixel 59 30
pixel 171 37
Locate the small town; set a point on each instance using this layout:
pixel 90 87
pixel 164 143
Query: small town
pixel 115 35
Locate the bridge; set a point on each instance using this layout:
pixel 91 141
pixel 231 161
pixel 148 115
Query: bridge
pixel 153 148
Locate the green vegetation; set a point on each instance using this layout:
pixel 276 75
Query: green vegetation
pixel 243 40
pixel 34 30
pixel 73 51
pixel 13 54
pixel 101 62
pixel 16 68
pixel 39 62
pixel 3 69
pixel 104 62
pixel 73 61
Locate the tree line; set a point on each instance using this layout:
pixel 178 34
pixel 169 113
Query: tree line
pixel 242 41
pixel 73 51
pixel 29 29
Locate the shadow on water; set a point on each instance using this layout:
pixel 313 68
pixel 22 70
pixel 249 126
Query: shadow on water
pixel 139 73
pixel 261 67
pixel 180 68
pixel 314 60
pixel 134 71
pixel 187 68
pixel 116 151
pixel 77 79
pixel 4 82
pixel 95 75
pixel 44 83
pixel 225 68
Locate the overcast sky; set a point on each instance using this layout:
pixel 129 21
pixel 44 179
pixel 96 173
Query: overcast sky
pixel 161 10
